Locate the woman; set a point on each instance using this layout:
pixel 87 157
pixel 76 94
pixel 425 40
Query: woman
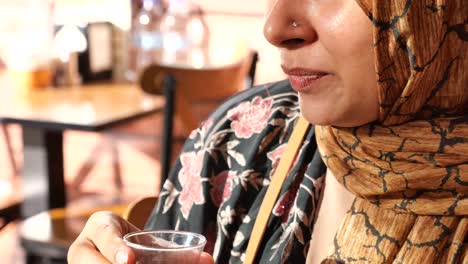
pixel 397 140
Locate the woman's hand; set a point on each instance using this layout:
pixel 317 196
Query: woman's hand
pixel 101 242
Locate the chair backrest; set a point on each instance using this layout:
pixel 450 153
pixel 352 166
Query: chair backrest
pixel 199 91
pixel 139 211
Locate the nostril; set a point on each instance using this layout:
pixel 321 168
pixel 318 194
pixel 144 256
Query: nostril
pixel 293 42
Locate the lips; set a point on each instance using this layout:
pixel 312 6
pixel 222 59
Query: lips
pixel 303 80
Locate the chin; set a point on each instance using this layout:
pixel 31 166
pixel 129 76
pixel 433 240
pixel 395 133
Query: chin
pixel 317 116
pixel 329 117
pixel 319 113
pixel 328 113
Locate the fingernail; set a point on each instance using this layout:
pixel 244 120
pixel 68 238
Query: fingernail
pixel 121 257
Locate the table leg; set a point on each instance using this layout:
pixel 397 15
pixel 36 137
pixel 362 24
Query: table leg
pixel 43 172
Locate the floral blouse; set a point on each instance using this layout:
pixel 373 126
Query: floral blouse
pixel 220 179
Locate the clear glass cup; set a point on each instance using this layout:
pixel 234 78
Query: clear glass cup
pixel 161 247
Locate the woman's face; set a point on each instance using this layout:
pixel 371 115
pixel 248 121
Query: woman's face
pixel 326 50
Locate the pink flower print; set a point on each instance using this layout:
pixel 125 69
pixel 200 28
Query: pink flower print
pixel 190 180
pixel 193 134
pixel 207 124
pixel 275 155
pixel 250 117
pixel 221 187
pixel 286 201
pixel 283 206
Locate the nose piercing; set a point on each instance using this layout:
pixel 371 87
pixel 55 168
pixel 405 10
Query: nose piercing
pixel 295 24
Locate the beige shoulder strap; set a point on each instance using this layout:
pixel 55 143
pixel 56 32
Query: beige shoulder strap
pixel 274 189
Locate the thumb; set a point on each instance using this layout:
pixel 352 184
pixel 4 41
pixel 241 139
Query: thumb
pixel 124 255
pixel 206 258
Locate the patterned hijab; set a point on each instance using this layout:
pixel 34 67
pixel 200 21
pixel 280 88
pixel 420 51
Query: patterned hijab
pixel 409 169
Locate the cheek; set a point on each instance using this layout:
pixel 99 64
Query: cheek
pixel 347 38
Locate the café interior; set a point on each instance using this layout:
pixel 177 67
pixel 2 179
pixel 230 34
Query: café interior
pixel 89 122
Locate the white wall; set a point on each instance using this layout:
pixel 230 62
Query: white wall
pixel 245 6
pixel 247 28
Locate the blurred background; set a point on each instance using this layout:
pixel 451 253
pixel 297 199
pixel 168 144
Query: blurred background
pixel 78 130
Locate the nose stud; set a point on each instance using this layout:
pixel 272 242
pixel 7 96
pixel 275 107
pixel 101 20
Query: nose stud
pixel 295 24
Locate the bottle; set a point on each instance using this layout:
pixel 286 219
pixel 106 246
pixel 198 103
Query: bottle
pixel 184 33
pixel 145 37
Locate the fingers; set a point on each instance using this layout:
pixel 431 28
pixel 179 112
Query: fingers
pixel 206 258
pixel 101 241
pixel 85 252
pixel 105 231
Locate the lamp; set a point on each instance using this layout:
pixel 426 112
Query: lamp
pixel 68 41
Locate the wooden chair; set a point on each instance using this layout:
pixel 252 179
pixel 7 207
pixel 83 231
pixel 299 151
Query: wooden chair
pixel 10 209
pixel 139 211
pixel 10 205
pixel 47 236
pixel 6 133
pixel 9 148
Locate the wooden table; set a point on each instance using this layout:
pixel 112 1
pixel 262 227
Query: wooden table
pixel 45 114
pixel 49 234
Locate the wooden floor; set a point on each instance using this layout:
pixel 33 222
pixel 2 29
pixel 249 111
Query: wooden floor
pixel 90 169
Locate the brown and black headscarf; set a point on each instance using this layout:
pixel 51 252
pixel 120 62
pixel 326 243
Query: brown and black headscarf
pixel 409 169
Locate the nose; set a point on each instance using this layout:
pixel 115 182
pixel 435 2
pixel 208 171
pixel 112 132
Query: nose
pixel 287 25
